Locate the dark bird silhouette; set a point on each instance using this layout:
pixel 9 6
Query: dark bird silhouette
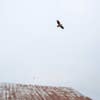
pixel 59 24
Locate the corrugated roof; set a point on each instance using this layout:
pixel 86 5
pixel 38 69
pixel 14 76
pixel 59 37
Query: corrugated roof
pixel 34 92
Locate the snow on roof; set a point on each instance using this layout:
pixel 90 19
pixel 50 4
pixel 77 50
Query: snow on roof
pixel 35 92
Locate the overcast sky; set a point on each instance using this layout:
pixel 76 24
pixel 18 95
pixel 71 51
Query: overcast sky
pixel 33 50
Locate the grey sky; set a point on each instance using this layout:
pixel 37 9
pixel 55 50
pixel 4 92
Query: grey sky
pixel 34 50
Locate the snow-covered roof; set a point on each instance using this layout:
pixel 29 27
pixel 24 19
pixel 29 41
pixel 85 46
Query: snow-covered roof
pixel 35 92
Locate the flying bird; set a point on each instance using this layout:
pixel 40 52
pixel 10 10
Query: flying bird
pixel 59 24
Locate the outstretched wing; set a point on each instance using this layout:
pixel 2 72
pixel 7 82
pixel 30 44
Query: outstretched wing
pixel 58 22
pixel 61 26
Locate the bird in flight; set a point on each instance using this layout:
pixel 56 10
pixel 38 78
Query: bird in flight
pixel 59 24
